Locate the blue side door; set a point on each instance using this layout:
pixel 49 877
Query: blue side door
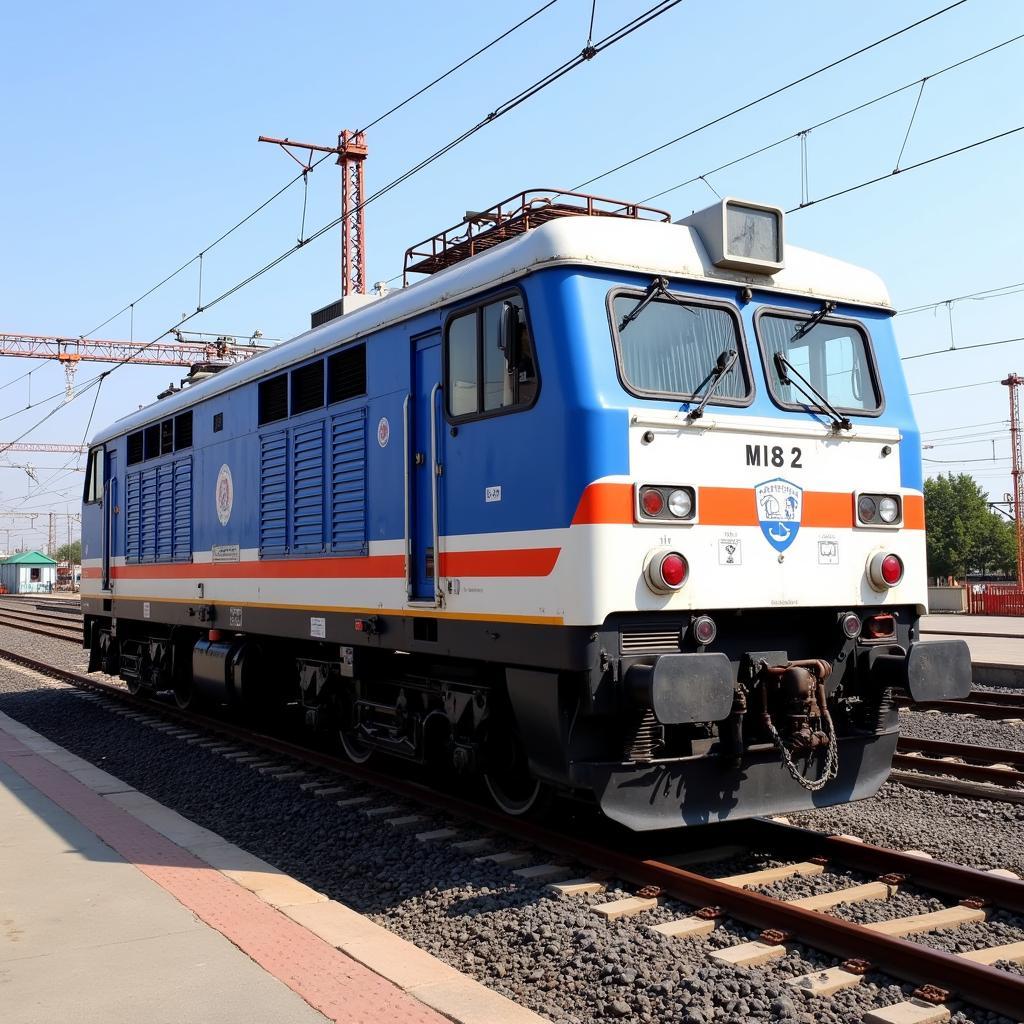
pixel 424 455
pixel 110 512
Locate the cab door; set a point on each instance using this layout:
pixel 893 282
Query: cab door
pixel 111 510
pixel 424 440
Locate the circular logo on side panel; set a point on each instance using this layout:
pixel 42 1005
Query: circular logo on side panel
pixel 383 432
pixel 225 494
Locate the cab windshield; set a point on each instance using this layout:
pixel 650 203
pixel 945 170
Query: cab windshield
pixel 832 356
pixel 671 348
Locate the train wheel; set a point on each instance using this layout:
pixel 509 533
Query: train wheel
pixel 509 781
pixel 355 749
pixel 185 695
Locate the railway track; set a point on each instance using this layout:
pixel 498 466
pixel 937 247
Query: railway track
pixel 664 874
pixel 993 773
pixel 980 703
pixel 57 631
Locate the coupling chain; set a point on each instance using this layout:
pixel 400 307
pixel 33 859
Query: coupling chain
pixel 831 759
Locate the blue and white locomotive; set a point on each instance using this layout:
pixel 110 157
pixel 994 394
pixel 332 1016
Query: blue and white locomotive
pixel 606 505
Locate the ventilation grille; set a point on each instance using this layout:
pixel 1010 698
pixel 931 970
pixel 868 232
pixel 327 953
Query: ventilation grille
pixel 647 640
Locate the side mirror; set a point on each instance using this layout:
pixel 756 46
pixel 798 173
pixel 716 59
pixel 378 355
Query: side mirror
pixel 508 339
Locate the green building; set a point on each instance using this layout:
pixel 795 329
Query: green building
pixel 29 572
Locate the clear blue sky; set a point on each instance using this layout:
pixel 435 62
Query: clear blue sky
pixel 129 137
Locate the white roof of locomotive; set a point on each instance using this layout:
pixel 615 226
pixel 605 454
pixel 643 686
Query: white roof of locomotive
pixel 651 248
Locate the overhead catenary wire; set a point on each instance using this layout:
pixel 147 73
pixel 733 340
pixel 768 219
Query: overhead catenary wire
pixel 302 175
pixel 804 132
pixel 462 63
pixel 980 296
pixel 954 387
pixel 910 167
pixel 617 35
pixel 769 95
pixel 961 348
pixel 963 426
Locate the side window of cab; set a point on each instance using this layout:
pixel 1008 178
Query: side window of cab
pixel 490 366
pixel 94 477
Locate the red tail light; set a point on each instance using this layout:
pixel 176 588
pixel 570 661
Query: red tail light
pixel 892 569
pixel 885 570
pixel 666 571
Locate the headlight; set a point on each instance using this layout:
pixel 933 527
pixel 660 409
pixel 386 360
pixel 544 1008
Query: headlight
pixel 888 509
pixel 680 504
pixel 879 510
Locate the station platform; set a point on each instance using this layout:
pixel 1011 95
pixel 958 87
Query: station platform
pixel 115 909
pixel 996 643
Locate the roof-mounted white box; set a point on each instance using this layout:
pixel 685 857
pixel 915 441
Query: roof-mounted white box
pixel 740 235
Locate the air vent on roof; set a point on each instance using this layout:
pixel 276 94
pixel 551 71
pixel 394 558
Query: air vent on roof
pixel 325 314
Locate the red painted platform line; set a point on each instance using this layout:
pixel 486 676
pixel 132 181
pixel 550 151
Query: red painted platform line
pixel 341 989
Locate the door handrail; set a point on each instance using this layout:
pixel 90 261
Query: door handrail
pixel 407 487
pixel 435 473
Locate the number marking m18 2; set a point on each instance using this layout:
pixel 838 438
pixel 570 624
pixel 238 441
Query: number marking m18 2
pixel 773 455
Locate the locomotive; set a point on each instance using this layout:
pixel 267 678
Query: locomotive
pixel 604 505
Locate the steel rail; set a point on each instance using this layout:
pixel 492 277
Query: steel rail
pixel 979 984
pixel 968 751
pixel 1007 777
pixel 1003 708
pixel 12 624
pixel 40 617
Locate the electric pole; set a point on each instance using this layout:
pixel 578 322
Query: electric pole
pixel 351 152
pixel 1013 382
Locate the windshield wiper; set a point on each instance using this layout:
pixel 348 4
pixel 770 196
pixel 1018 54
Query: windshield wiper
pixel 723 364
pixel 809 325
pixel 787 371
pixel 658 288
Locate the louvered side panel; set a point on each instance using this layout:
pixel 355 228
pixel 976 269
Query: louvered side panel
pixel 147 516
pixel 348 482
pixel 183 510
pixel 164 512
pixel 132 492
pixel 308 488
pixel 274 493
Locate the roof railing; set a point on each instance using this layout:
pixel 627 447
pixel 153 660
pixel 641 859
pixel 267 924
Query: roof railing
pixel 479 231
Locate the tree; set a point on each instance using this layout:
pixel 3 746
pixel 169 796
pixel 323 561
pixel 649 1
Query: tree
pixel 964 534
pixel 70 553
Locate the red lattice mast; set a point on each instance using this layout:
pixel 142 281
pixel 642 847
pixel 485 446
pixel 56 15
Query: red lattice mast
pixel 1013 382
pixel 351 150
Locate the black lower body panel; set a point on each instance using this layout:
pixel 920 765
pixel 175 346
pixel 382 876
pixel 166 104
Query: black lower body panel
pixel 699 791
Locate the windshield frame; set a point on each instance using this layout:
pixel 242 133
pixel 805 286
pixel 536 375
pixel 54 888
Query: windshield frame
pixel 689 299
pixel 801 316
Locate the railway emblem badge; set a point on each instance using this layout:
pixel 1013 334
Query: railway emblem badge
pixel 779 509
pixel 225 494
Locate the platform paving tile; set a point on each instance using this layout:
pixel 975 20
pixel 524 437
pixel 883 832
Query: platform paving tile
pixel 167 872
pixel 100 781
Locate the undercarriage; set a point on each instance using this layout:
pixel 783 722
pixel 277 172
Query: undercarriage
pixel 680 720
